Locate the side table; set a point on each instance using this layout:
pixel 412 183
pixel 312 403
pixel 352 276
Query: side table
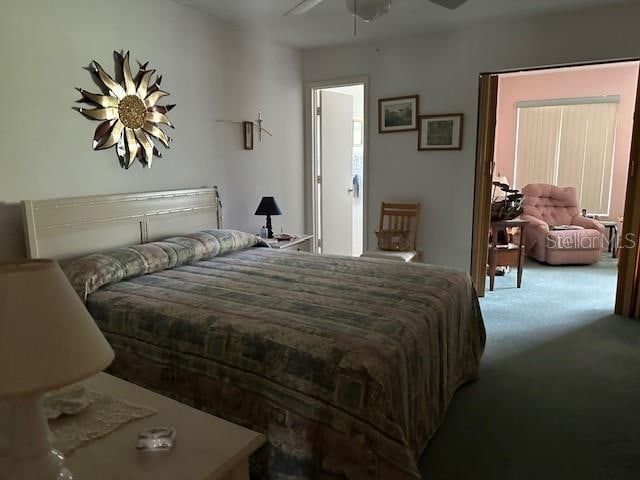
pixel 509 255
pixel 206 447
pixel 301 243
pixel 612 226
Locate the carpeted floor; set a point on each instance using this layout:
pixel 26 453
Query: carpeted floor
pixel 559 391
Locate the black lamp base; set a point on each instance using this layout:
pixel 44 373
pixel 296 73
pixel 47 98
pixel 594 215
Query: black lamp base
pixel 269 227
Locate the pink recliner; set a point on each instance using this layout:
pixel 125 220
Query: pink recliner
pixel 547 206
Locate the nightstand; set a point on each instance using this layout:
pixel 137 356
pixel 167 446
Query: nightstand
pixel 300 243
pixel 206 447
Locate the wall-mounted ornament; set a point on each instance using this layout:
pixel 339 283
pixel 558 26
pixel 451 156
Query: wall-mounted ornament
pixel 129 111
pixel 259 122
pixel 248 129
pixel 248 135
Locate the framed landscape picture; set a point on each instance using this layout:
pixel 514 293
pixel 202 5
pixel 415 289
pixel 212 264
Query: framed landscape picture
pixel 398 114
pixel 440 132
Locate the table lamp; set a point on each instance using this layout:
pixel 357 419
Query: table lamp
pixel 47 340
pixel 268 207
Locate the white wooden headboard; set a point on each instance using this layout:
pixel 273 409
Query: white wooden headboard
pixel 66 228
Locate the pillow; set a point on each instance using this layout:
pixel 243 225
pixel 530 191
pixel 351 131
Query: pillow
pixel 88 274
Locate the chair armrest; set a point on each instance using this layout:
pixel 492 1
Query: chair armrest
pixel 534 222
pixel 587 223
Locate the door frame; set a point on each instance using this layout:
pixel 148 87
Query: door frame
pixel 310 157
pixel 628 286
pixel 486 133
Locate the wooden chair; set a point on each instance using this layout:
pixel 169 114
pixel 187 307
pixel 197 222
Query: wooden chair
pixel 399 216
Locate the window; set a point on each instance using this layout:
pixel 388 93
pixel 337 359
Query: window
pixel 568 143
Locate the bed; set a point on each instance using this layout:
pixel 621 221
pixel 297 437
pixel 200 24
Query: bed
pixel 347 365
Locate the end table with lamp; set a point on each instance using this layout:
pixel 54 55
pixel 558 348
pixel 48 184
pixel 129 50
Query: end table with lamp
pixel 268 207
pixel 47 340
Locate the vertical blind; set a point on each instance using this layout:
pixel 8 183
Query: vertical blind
pixel 568 145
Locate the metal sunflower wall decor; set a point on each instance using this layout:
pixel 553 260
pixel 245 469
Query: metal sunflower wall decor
pixel 128 110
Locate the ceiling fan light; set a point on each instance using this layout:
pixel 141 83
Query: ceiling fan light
pixel 368 10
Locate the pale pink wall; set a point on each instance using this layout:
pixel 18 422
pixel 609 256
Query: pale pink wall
pixel 617 79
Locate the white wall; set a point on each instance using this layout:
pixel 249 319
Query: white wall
pixel 443 68
pixel 211 72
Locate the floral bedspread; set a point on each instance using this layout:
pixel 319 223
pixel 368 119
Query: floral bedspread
pixel 346 365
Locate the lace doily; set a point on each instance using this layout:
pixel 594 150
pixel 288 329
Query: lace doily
pixel 105 414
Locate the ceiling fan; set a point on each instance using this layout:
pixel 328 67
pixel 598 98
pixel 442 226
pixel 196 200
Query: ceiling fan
pixel 366 10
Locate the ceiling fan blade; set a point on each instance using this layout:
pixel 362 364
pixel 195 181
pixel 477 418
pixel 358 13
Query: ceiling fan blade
pixel 303 7
pixel 450 4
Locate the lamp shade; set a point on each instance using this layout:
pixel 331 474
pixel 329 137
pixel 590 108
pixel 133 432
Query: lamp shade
pixel 268 206
pixel 47 337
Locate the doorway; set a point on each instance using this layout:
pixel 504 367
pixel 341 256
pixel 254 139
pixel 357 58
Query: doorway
pixel 338 151
pixel 571 114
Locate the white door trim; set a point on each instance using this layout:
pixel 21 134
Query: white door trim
pixel 310 166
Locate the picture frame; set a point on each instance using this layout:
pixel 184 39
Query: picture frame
pixel 440 132
pixel 398 114
pixel 247 129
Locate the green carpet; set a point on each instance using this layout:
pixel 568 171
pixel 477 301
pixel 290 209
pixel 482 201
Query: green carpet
pixel 559 390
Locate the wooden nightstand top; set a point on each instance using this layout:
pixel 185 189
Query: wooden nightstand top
pixel 289 243
pixel 206 447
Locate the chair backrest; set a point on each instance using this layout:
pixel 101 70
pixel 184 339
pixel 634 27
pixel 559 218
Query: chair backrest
pixel 401 216
pixel 553 205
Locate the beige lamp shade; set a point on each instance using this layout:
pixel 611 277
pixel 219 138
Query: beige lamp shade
pixel 47 337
